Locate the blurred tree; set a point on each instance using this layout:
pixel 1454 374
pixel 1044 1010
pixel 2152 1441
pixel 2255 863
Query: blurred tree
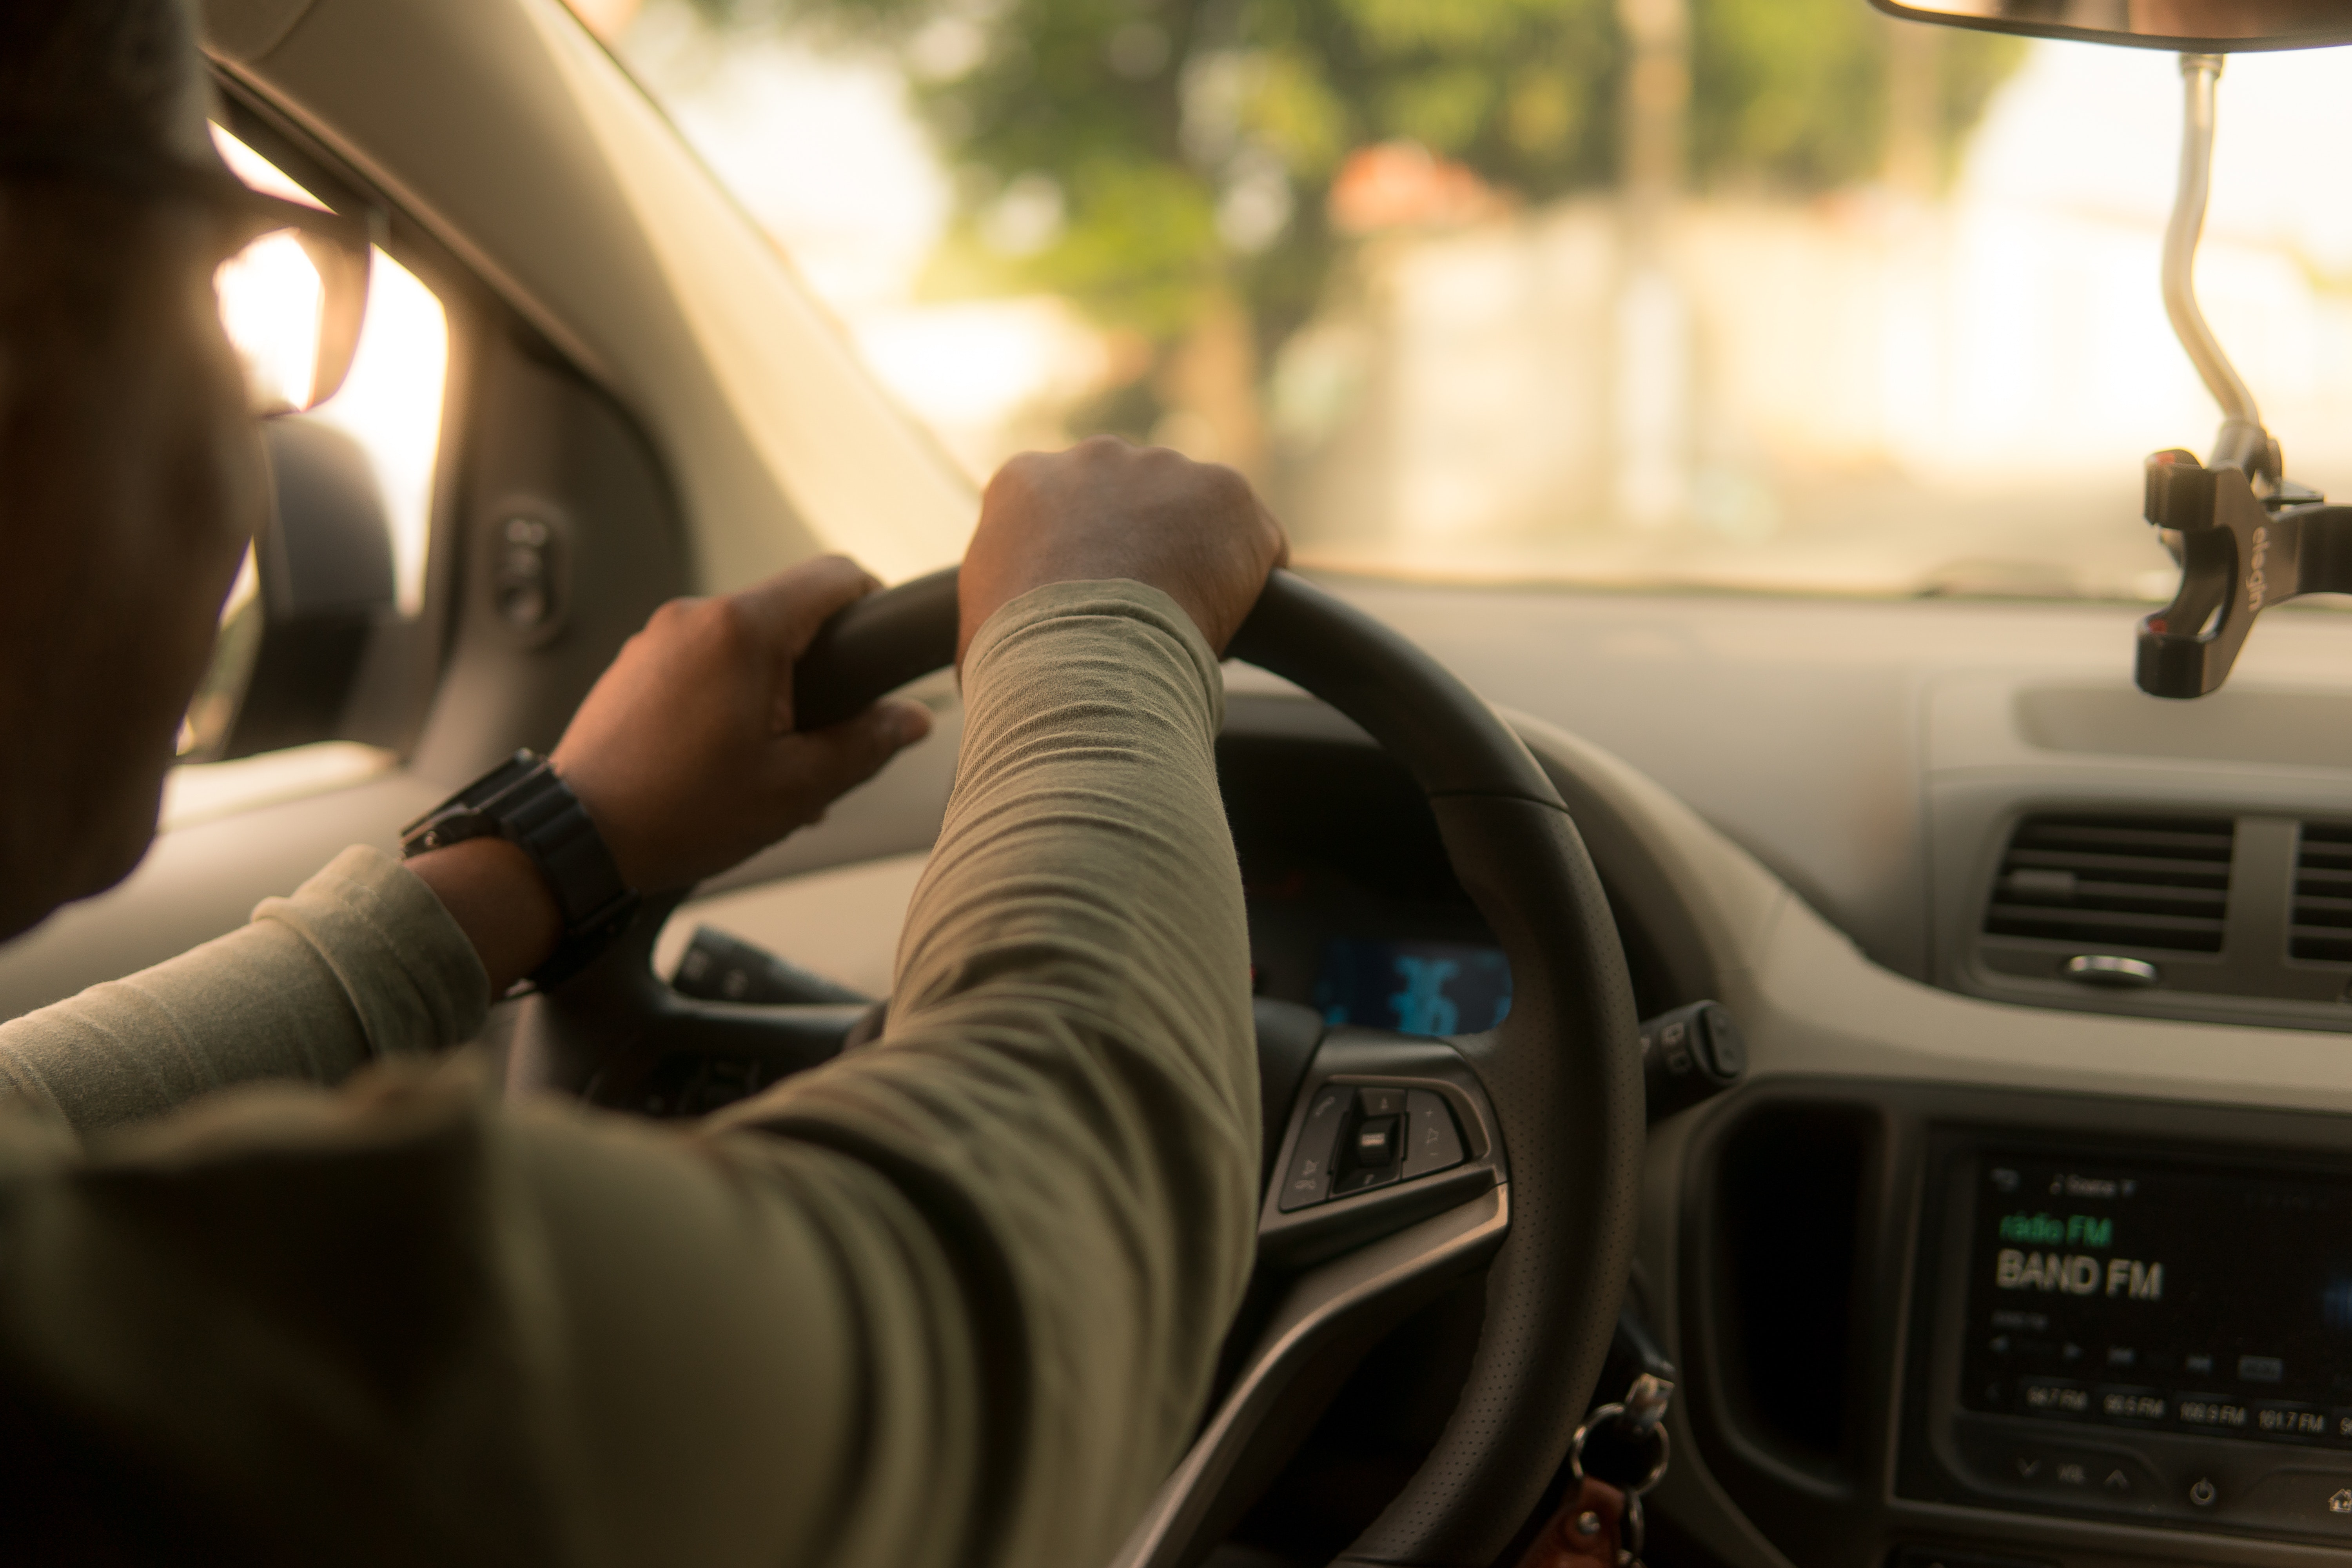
pixel 1796 93
pixel 1169 164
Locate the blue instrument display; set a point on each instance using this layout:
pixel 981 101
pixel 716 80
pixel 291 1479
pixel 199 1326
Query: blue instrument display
pixel 1415 987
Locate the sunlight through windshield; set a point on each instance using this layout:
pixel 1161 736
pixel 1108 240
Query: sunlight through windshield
pixel 1651 292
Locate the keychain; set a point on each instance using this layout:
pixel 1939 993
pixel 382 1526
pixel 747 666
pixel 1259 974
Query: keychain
pixel 1624 1446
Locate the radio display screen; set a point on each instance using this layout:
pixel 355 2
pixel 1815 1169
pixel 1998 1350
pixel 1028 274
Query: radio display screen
pixel 2161 1296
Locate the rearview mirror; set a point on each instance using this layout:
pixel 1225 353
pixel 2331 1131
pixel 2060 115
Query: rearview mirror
pixel 2191 26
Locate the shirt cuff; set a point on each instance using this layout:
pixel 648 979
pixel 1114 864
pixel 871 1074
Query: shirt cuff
pixel 409 969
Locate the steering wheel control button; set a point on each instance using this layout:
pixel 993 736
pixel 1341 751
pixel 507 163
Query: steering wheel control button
pixel 1370 1135
pixel 1367 1153
pixel 1309 1180
pixel 1432 1142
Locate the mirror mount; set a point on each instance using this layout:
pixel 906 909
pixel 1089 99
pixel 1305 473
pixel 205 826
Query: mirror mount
pixel 2242 443
pixel 2245 536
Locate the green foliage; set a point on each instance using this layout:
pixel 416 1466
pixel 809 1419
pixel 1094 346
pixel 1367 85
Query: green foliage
pixel 1144 248
pixel 1192 144
pixel 1794 93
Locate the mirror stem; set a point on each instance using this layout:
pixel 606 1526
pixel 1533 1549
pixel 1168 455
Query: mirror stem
pixel 2243 444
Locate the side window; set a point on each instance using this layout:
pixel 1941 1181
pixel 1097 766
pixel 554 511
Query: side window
pixel 336 575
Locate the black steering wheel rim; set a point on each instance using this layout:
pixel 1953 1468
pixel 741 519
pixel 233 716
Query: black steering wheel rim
pixel 1562 1071
pixel 1561 1076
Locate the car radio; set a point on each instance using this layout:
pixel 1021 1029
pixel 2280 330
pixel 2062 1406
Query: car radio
pixel 2138 1337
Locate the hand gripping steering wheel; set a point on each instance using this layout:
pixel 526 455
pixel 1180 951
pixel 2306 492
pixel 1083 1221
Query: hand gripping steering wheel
pixel 1545 1110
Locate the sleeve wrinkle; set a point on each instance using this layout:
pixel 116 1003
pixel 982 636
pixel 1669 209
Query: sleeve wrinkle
pixel 1066 1086
pixel 361 961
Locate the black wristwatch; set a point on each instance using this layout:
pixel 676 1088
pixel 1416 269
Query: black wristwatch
pixel 523 801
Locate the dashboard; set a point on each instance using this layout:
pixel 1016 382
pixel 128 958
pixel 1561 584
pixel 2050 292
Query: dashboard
pixel 1900 1345
pixel 1803 836
pixel 1868 1377
pixel 1353 909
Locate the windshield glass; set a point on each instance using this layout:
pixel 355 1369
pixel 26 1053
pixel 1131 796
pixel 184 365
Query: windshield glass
pixel 1747 294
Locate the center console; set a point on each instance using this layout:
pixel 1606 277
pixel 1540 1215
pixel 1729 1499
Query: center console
pixel 2121 1332
pixel 1962 1325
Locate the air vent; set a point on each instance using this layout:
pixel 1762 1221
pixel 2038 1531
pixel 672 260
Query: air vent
pixel 2099 882
pixel 2323 893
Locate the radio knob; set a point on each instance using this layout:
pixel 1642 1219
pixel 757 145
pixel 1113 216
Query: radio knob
pixel 2202 1493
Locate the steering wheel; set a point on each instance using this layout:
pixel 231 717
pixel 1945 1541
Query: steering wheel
pixel 1528 1136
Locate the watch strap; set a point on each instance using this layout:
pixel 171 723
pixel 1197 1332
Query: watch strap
pixel 524 801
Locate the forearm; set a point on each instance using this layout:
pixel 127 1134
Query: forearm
pixel 500 900
pixel 954 1299
pixel 361 962
pixel 1065 1090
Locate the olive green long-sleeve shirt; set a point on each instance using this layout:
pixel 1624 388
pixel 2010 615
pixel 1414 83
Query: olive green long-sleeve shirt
pixel 954 1298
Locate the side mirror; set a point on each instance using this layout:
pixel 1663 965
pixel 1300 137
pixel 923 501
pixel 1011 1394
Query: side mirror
pixel 2184 26
pixel 291 660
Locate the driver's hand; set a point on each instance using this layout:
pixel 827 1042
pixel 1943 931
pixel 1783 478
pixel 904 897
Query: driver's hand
pixel 1105 508
pixel 684 753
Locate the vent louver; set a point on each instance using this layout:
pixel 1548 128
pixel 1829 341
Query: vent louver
pixel 2103 882
pixel 2322 927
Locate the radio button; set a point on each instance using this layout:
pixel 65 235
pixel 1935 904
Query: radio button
pixel 2083 1476
pixel 2052 1396
pixel 2133 1404
pixel 2202 1492
pixel 2213 1414
pixel 2288 1423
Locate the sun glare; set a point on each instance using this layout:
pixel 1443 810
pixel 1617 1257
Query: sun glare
pixel 390 404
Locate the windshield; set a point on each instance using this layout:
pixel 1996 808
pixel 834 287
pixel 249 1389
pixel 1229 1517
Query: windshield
pixel 1735 294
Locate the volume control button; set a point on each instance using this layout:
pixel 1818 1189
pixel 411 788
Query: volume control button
pixel 1309 1180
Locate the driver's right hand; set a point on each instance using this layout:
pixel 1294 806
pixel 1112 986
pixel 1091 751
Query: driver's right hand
pixel 1105 508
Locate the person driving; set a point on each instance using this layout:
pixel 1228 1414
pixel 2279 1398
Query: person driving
pixel 281 1278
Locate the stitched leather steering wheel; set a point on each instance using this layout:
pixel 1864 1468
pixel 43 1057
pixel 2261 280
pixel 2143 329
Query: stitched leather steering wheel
pixel 1547 1106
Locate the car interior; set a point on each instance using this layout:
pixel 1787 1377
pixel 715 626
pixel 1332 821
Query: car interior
pixel 1986 1166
